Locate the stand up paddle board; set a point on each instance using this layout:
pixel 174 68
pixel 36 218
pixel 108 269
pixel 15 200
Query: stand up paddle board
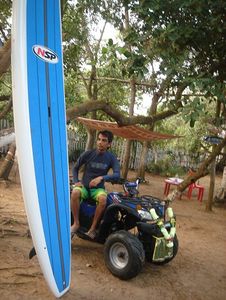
pixel 40 127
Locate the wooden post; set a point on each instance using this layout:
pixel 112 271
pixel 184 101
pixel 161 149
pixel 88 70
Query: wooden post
pixel 209 203
pixel 8 162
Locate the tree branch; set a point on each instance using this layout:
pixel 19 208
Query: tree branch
pixel 203 168
pixel 100 39
pixel 117 115
pixel 84 80
pixel 127 81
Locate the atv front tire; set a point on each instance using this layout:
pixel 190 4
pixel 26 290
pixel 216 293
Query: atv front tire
pixel 124 254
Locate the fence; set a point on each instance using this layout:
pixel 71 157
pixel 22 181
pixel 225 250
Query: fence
pixel 77 145
pixel 4 125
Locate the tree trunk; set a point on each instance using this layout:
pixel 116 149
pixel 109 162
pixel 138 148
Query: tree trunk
pixel 211 187
pixel 91 138
pixel 143 158
pixel 8 162
pixel 125 167
pixel 143 161
pixel 209 203
pixel 126 158
pixel 91 134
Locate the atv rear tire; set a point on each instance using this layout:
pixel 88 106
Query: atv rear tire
pixel 124 254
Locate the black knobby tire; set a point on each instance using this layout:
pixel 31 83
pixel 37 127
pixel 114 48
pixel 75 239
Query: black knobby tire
pixel 124 254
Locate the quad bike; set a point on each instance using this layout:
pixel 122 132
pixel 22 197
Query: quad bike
pixel 132 229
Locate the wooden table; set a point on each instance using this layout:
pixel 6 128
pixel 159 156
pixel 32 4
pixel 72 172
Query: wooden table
pixel 171 181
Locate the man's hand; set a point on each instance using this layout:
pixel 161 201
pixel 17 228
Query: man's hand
pixel 78 184
pixel 95 181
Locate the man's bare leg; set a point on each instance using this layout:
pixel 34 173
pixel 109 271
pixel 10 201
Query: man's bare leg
pixel 98 213
pixel 75 205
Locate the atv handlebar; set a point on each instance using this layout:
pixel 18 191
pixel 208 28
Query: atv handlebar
pixel 130 187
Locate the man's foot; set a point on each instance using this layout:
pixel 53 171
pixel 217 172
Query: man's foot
pixel 74 229
pixel 91 234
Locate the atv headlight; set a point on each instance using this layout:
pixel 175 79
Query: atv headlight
pixel 144 214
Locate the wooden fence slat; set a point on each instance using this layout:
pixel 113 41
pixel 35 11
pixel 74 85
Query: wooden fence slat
pixel 76 146
pixel 180 158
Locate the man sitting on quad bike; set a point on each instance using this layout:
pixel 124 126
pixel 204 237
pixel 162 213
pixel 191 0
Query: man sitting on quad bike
pixel 97 164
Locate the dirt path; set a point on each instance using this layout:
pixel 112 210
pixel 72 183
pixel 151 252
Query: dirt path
pixel 197 272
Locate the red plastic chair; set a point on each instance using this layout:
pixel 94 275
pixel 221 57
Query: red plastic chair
pixel 200 191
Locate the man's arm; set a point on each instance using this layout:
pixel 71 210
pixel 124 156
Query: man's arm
pixel 116 170
pixel 75 171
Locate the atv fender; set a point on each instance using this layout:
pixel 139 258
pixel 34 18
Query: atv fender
pixel 151 229
pixel 113 208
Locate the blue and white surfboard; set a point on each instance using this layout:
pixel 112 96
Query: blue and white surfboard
pixel 40 127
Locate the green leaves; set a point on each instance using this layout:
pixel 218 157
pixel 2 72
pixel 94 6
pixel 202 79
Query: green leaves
pixel 181 41
pixel 193 110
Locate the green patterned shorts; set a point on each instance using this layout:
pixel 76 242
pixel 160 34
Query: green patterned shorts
pixel 92 193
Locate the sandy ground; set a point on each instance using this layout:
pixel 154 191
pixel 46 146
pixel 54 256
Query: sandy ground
pixel 197 272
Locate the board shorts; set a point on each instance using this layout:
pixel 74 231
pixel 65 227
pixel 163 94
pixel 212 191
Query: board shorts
pixel 91 193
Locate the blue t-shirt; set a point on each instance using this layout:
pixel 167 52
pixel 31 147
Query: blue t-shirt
pixel 96 164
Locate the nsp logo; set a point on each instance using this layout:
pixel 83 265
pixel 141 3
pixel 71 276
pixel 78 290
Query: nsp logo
pixel 45 54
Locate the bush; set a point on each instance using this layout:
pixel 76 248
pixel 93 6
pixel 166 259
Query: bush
pixel 165 167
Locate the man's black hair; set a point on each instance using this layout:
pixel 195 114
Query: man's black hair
pixel 107 134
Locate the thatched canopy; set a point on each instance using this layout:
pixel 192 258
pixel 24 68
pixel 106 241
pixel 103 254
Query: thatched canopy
pixel 131 132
